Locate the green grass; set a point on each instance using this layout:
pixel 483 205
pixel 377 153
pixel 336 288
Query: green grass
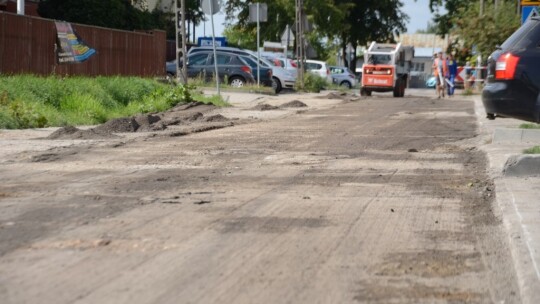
pixel 529 126
pixel 200 82
pixel 533 150
pixel 28 101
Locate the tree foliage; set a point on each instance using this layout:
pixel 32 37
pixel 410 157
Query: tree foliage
pixel 118 14
pixel 484 33
pixel 349 21
pixel 476 33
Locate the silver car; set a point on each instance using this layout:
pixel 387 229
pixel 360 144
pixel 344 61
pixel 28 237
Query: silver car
pixel 342 76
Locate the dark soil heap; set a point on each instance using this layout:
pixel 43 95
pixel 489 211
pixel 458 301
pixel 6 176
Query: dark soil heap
pixel 264 107
pixel 293 104
pixel 182 114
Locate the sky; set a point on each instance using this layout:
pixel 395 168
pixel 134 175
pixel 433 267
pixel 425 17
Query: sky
pixel 418 12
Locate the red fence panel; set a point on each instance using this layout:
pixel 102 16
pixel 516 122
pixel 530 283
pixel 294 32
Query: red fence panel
pixel 27 45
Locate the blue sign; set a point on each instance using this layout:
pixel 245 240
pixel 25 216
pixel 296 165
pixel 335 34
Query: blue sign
pixel 207 41
pixel 527 12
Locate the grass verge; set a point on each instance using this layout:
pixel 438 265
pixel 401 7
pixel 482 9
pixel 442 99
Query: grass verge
pixel 529 126
pixel 533 150
pixel 28 101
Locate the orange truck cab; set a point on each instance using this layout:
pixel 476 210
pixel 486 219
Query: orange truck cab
pixel 386 68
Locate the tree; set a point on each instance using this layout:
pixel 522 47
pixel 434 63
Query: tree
pixel 455 10
pixel 372 20
pixel 118 14
pixel 483 33
pixel 350 21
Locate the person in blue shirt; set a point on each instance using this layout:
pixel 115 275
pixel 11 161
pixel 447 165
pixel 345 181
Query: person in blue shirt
pixel 452 73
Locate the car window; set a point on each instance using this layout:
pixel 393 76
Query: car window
pixel 528 34
pixel 252 63
pixel 313 66
pixel 223 59
pixel 198 59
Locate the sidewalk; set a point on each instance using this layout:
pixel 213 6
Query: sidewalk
pixel 518 193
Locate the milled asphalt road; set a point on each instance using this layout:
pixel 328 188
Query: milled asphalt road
pixel 379 200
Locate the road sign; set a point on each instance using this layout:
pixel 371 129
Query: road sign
pixel 210 7
pixel 530 2
pixel 527 12
pixel 263 12
pixel 287 37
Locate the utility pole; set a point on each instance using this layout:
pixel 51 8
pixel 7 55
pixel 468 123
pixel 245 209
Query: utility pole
pixel 180 20
pixel 300 40
pixel 20 7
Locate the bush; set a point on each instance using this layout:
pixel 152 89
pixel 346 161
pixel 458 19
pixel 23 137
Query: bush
pixel 312 83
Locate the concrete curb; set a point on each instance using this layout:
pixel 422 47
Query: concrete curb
pixel 522 165
pixel 506 135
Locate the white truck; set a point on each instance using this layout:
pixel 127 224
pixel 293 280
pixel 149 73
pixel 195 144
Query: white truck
pixel 386 68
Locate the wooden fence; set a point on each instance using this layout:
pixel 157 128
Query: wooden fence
pixel 27 45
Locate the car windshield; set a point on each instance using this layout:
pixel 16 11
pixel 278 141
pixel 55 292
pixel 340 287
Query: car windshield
pixel 380 59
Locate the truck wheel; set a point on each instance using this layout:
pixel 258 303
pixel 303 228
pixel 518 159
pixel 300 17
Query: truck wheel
pixel 397 88
pixel 365 92
pixel 402 89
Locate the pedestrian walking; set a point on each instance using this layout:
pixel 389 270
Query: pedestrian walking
pixel 452 73
pixel 440 69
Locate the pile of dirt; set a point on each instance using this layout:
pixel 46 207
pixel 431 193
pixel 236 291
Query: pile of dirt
pixel 183 114
pixel 63 132
pixel 334 95
pixel 264 107
pixel 216 118
pixel 294 104
pixel 71 132
pixel 118 125
pixel 347 97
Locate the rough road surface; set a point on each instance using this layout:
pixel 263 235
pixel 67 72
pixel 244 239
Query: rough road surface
pixel 368 200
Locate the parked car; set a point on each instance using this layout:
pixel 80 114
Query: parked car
pixel 230 66
pixel 280 60
pixel 342 76
pixel 170 67
pixel 319 68
pixel 265 72
pixel 513 82
pixel 281 77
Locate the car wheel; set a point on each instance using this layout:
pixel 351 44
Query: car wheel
pixel 237 82
pixel 346 84
pixel 276 84
pixel 490 116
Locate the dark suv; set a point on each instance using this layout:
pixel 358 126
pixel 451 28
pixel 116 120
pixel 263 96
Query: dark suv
pixel 513 81
pixel 230 66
